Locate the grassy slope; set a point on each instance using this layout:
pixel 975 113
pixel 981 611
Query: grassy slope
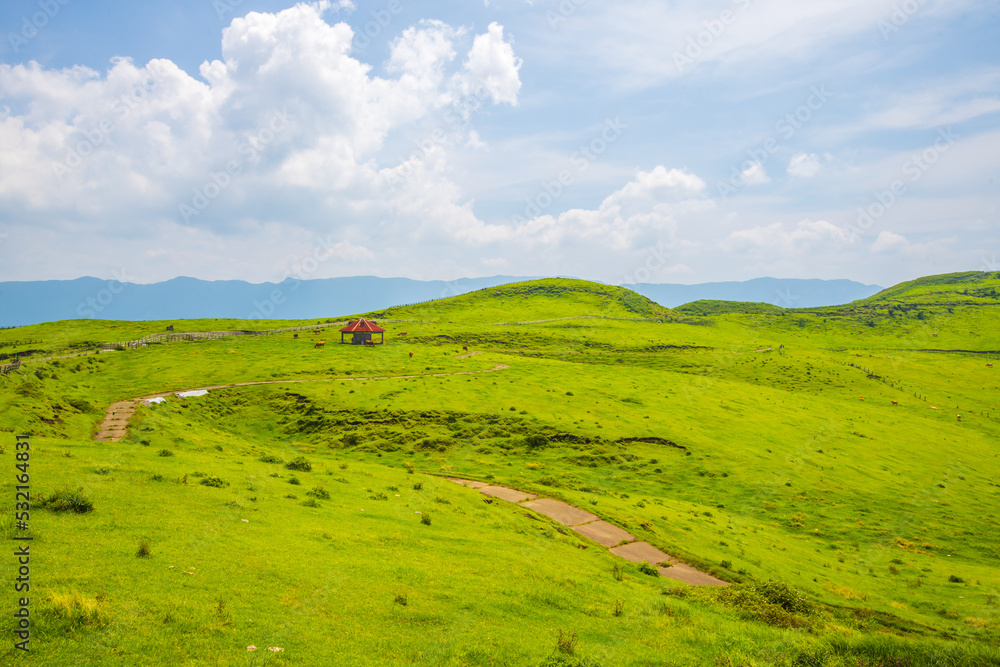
pixel 786 474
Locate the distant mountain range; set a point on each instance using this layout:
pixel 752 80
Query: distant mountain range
pixel 23 303
pixel 787 293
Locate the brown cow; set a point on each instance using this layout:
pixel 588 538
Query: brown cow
pixel 411 355
pixel 895 402
pixel 958 417
pixel 989 365
pixel 465 349
pixel 369 343
pixel 320 343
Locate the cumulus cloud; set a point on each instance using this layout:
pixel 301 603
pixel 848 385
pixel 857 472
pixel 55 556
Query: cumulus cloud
pixel 888 242
pixel 286 127
pixel 804 165
pixel 492 68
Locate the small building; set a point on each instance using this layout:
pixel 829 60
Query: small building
pixel 361 332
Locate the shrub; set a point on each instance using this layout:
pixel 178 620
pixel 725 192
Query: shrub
pixel 379 496
pixel 647 568
pixel 270 458
pixel 165 452
pixel 417 486
pixel 157 478
pixel 536 441
pixel 66 501
pixel 311 502
pixel 400 599
pixel 294 480
pixel 212 481
pixel 299 463
pixel 956 580
pixel 143 551
pixel 320 493
pixel 618 572
pixel 425 519
pixel 619 608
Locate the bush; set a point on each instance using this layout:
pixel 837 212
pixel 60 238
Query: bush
pixel 647 568
pixel 66 501
pixel 536 441
pixel 294 480
pixel 418 485
pixel 311 502
pixel 956 580
pixel 425 519
pixel 165 452
pixel 143 551
pixel 320 493
pixel 270 458
pixel 299 463
pixel 212 481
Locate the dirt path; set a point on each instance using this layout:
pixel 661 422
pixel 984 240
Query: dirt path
pixel 115 423
pixel 618 541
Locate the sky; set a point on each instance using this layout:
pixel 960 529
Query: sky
pixel 670 141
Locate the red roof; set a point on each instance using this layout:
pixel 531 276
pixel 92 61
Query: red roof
pixel 362 326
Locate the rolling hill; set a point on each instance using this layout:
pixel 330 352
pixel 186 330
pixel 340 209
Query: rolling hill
pixel 835 466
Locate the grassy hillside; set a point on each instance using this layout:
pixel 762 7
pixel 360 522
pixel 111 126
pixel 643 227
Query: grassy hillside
pixel 714 307
pixel 813 458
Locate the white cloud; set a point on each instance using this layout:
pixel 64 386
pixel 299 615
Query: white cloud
pixel 492 68
pixel 804 165
pixel 777 239
pixel 888 242
pixel 755 174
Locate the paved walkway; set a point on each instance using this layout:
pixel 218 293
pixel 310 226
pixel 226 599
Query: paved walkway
pixel 620 542
pixel 116 420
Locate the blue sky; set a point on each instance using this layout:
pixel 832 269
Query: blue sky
pixel 632 141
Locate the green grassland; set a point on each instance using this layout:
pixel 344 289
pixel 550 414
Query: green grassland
pixel 762 445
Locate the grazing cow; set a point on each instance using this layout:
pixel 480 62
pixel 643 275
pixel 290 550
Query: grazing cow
pixel 411 355
pixel 295 336
pixel 319 343
pixel 989 365
pixel 402 333
pixel 958 417
pixel 895 402
pixel 859 354
pixel 465 349
pixel 862 398
pixel 369 343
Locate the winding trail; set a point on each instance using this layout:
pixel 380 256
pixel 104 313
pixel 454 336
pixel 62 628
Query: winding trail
pixel 116 419
pixel 620 542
